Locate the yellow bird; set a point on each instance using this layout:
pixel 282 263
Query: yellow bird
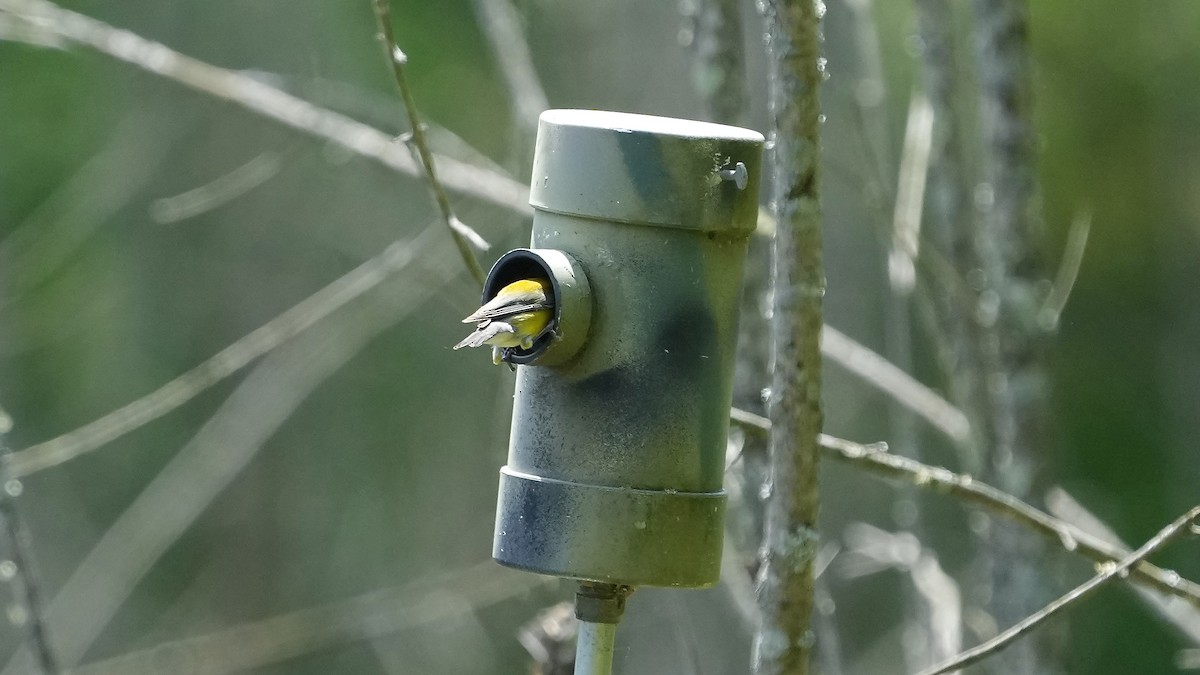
pixel 519 314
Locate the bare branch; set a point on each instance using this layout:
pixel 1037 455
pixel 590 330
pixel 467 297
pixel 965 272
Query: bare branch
pixel 1186 524
pixel 784 641
pixel 206 465
pixel 224 363
pixel 265 100
pixel 1183 617
pixel 876 459
pixel 13 29
pixel 375 614
pixel 855 357
pixel 462 234
pixel 874 369
pixel 897 384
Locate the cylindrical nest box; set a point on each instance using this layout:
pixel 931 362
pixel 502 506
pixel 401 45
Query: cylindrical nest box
pixel 621 411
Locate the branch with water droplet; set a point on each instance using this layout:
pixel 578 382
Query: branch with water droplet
pixel 1107 572
pixel 877 460
pixel 18 570
pixel 464 237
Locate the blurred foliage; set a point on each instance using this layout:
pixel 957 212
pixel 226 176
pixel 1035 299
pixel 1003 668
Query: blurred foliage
pixel 387 471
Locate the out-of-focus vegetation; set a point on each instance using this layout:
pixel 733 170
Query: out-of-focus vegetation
pixel 383 475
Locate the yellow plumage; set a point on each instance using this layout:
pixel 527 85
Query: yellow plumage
pixel 519 314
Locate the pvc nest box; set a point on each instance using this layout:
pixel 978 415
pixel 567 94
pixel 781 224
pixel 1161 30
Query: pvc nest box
pixel 621 411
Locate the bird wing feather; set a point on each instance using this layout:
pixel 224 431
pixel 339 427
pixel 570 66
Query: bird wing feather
pixel 507 302
pixel 485 313
pixel 486 331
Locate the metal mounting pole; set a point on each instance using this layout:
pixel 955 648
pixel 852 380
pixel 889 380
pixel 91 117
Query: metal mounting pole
pixel 594 652
pixel 598 607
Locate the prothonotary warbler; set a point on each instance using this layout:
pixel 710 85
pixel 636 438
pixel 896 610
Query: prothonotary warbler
pixel 519 314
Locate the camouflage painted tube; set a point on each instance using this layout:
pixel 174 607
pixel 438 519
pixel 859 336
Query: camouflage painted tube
pixel 617 451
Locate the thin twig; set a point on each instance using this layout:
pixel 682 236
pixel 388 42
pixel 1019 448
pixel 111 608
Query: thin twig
pixel 910 194
pixel 1068 271
pixel 876 459
pixel 1185 524
pixel 224 363
pixel 501 24
pixel 379 613
pixel 219 191
pixel 371 106
pixel 28 590
pixel 284 108
pixel 216 454
pixel 34 250
pixel 856 358
pixel 899 385
pixel 1183 617
pixel 483 183
pixel 464 237
pixel 265 100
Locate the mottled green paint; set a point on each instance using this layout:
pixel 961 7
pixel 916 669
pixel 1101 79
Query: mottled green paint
pixel 616 457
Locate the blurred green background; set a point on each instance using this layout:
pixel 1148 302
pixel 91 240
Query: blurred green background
pixel 381 472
